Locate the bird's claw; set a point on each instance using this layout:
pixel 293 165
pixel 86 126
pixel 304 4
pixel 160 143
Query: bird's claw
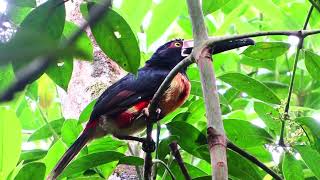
pixel 148 146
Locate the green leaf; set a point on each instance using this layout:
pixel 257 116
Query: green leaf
pixel 241 168
pixel 89 161
pixel 312 62
pixel 210 6
pixel 10 141
pixel 269 115
pixel 35 171
pixel 268 64
pixel 60 72
pixel 311 157
pixel 245 134
pixel 291 168
pixel 24 3
pixel 131 160
pixel 266 50
pixel 193 171
pixel 191 142
pixel 312 124
pixel 107 143
pixel 53 156
pixel 45 131
pixel 70 131
pixel 134 14
pixel 86 112
pixel 6 77
pixel 82 44
pixel 250 86
pixel 40 31
pixel 116 39
pixel 163 14
pixel 32 155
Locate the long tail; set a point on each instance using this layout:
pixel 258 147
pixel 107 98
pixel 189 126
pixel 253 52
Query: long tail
pixel 71 153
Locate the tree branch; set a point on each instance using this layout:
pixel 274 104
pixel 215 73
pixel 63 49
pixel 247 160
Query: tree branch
pixel 175 152
pixel 38 66
pixel 253 160
pixel 216 140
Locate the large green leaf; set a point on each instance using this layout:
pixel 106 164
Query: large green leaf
pixel 6 77
pixel 39 34
pixel 134 14
pixel 241 168
pixel 210 6
pixel 250 86
pixel 89 161
pixel 10 141
pixel 266 50
pixel 45 131
pixel 115 37
pixel 311 157
pixel 191 142
pixel 86 112
pixel 292 169
pixel 82 44
pixel 24 3
pixel 131 160
pixel 70 131
pixel 245 134
pixel 312 62
pixel 163 14
pixel 34 171
pixel 53 156
pixel 32 155
pixel 269 115
pixel 312 124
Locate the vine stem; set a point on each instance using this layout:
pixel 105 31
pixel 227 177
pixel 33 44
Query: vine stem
pixel 296 59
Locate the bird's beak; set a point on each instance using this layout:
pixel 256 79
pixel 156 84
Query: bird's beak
pixel 186 48
pixel 229 45
pixel 218 47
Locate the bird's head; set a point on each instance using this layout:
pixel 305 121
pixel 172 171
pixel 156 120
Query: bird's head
pixel 169 54
pixel 172 52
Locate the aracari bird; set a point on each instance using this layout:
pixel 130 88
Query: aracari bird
pixel 118 111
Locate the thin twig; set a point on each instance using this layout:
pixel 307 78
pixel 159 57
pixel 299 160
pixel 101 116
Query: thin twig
pixel 296 59
pixel 156 161
pixel 175 151
pixel 148 157
pixel 155 169
pixel 37 67
pixel 253 160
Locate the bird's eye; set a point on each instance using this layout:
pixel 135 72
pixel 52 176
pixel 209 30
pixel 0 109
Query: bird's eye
pixel 177 44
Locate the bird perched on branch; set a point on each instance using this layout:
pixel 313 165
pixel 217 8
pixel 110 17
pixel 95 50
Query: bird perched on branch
pixel 118 111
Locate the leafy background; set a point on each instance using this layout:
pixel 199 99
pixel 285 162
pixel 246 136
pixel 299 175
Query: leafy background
pixel 253 86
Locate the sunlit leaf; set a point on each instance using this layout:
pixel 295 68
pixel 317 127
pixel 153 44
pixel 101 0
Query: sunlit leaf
pixel 291 167
pixel 266 50
pixel 245 134
pixel 32 155
pixel 250 86
pixel 160 21
pixel 46 131
pixel 53 156
pixel 86 112
pixel 89 161
pixel 210 6
pixel 311 157
pixel 10 141
pixel 312 62
pixel 34 170
pixel 70 131
pixel 269 115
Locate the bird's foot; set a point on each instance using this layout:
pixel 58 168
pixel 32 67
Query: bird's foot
pixel 148 146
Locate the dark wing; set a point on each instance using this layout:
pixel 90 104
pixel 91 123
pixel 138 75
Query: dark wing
pixel 128 91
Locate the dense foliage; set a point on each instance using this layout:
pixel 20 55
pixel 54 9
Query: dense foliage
pixel 253 88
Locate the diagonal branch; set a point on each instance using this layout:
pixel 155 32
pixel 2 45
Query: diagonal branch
pixel 253 160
